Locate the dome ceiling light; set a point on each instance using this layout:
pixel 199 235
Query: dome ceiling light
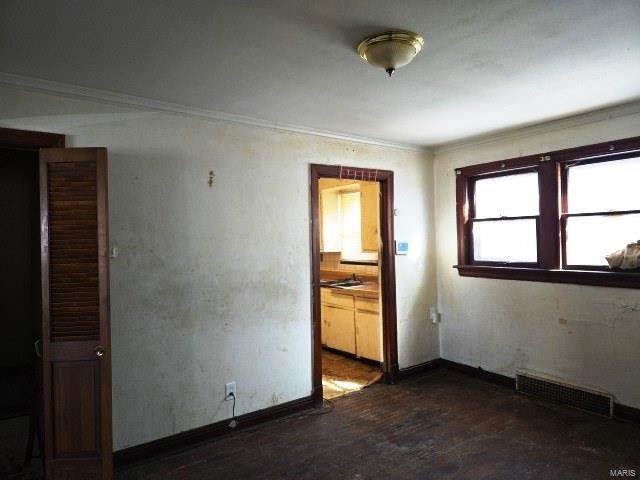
pixel 390 50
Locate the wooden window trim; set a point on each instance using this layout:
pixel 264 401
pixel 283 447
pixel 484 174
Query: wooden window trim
pixel 552 174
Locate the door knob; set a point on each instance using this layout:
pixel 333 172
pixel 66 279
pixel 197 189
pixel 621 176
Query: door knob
pixel 99 350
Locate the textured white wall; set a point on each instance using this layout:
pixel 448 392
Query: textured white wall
pixel 213 285
pixel 589 335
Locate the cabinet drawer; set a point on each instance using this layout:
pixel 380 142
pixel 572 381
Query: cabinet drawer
pixel 368 304
pixel 330 297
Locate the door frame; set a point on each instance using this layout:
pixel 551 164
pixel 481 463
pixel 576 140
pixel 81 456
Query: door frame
pixel 387 263
pixel 33 141
pixel 28 140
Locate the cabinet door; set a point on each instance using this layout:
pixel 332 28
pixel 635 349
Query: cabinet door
pixel 341 334
pixel 324 325
pixel 368 335
pixel 369 215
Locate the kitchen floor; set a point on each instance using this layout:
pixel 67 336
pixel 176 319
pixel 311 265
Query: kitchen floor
pixel 342 375
pixel 441 425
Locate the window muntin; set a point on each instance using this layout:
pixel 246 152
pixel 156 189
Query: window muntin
pixel 506 210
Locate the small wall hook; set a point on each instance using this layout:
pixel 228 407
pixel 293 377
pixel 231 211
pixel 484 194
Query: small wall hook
pixel 211 177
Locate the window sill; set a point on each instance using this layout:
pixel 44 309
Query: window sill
pixel 579 277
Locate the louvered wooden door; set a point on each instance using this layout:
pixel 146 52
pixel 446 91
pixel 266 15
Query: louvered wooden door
pixel 75 301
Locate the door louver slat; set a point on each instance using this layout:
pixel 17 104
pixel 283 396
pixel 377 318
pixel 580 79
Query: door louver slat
pixel 73 236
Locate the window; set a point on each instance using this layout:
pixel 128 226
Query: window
pixel 551 217
pixel 505 218
pixel 351 245
pixel 603 210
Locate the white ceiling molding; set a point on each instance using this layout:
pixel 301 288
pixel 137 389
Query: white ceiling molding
pixel 72 91
pixel 607 113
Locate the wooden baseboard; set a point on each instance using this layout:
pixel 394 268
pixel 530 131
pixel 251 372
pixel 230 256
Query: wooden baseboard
pixel 176 442
pixel 620 411
pixel 479 372
pixel 173 443
pixel 626 413
pixel 420 368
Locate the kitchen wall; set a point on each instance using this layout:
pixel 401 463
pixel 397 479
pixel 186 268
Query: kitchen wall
pixel 584 334
pixel 331 263
pixel 213 284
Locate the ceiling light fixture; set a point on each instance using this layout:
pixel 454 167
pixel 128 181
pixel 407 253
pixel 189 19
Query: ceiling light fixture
pixel 390 50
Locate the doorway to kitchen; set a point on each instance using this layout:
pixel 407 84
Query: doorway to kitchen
pixel 353 280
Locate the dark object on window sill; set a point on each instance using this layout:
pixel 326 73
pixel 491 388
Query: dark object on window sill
pixel 602 278
pixel 359 262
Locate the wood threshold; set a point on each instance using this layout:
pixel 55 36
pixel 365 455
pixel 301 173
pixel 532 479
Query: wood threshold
pixel 577 277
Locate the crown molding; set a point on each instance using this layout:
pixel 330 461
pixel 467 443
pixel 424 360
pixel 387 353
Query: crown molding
pixel 539 128
pixel 113 98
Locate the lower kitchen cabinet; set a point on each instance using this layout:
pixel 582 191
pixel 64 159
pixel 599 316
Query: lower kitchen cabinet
pixel 341 332
pixel 351 326
pixel 368 335
pixel 324 327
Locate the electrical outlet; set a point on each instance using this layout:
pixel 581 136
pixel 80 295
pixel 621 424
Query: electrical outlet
pixel 229 388
pixel 434 316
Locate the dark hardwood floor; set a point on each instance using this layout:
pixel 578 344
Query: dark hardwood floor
pixel 441 425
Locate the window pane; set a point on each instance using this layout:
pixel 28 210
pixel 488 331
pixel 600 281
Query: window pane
pixel 604 187
pixel 589 239
pixel 505 241
pixel 507 196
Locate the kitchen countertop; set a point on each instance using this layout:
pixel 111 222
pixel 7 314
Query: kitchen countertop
pixel 367 289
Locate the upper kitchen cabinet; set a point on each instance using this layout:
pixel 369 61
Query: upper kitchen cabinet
pixel 369 215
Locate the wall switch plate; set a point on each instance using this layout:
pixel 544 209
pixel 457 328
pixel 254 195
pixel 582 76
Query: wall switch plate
pixel 229 389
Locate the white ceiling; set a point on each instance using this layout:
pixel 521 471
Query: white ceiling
pixel 486 65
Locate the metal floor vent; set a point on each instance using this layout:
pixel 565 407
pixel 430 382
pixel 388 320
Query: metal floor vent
pixel 565 394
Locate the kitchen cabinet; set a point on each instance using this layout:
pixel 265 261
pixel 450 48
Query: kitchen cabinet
pixel 324 327
pixel 368 335
pixel 351 324
pixel 369 215
pixel 341 332
pixel 331 297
